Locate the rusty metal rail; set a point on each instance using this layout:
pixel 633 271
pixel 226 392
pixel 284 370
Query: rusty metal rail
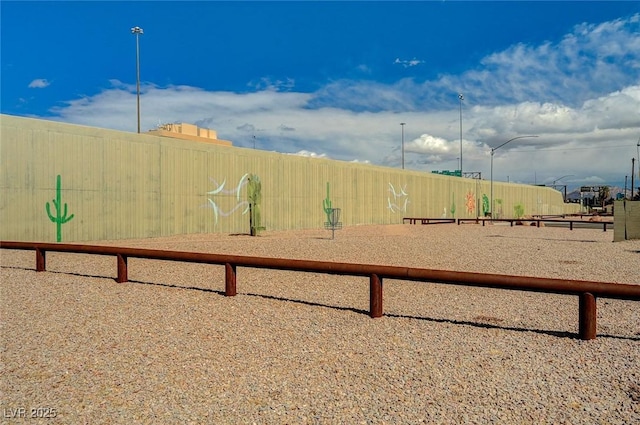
pixel 587 291
pixel 537 221
pixel 415 220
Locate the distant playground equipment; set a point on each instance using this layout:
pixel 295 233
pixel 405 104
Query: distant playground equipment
pixel 334 223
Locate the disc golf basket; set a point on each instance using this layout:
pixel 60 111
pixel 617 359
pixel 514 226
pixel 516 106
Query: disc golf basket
pixel 334 223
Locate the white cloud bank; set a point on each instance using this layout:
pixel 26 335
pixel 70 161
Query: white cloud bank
pixel 581 96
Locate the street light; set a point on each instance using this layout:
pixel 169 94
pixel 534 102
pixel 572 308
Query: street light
pixel 492 151
pixel 461 98
pixel 633 169
pixel 402 124
pixel 565 186
pixel 137 31
pixel 557 180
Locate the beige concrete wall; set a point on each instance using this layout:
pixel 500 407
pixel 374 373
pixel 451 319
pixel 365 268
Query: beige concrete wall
pixel 125 185
pixel 626 220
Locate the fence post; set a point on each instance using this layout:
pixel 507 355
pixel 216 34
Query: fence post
pixel 41 260
pixel 375 296
pixel 230 280
pixel 123 275
pixel 587 324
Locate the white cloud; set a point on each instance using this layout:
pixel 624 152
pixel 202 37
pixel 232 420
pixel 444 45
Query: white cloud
pixel 428 143
pixel 364 69
pixel 269 84
pixel 408 63
pixel 592 60
pixel 39 83
pixel 310 154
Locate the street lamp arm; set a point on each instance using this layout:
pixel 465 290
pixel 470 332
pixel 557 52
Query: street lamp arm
pixel 557 180
pixel 510 140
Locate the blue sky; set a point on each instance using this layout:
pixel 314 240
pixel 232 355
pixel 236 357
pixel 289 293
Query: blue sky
pixel 335 79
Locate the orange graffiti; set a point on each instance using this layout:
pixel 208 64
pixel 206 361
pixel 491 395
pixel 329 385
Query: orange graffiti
pixel 470 203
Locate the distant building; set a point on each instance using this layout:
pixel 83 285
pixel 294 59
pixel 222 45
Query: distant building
pixel 189 132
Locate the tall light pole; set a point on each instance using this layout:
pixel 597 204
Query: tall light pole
pixel 461 98
pixel 402 124
pixel 638 154
pixel 633 170
pixel 492 152
pixel 137 31
pixel 632 167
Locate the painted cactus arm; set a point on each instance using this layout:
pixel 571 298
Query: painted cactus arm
pixel 64 217
pixel 51 217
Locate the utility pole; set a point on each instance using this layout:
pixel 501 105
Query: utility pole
pixel 633 169
pixel 460 98
pixel 402 124
pixel 625 186
pixel 137 31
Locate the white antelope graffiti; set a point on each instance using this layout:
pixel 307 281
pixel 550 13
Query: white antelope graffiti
pixel 400 197
pixel 217 211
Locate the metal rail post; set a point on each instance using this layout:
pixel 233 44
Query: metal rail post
pixel 41 260
pixel 123 275
pixel 230 280
pixel 375 296
pixel 587 320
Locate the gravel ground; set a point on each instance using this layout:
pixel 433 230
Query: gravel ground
pixel 299 348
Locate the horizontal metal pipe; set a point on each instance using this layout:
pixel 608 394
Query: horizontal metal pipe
pixel 537 220
pixel 521 283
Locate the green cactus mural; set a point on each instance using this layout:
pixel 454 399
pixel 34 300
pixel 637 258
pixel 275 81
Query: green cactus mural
pixel 498 202
pixel 485 205
pixel 326 205
pixel 254 193
pixel 518 211
pixel 453 205
pixel 61 217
